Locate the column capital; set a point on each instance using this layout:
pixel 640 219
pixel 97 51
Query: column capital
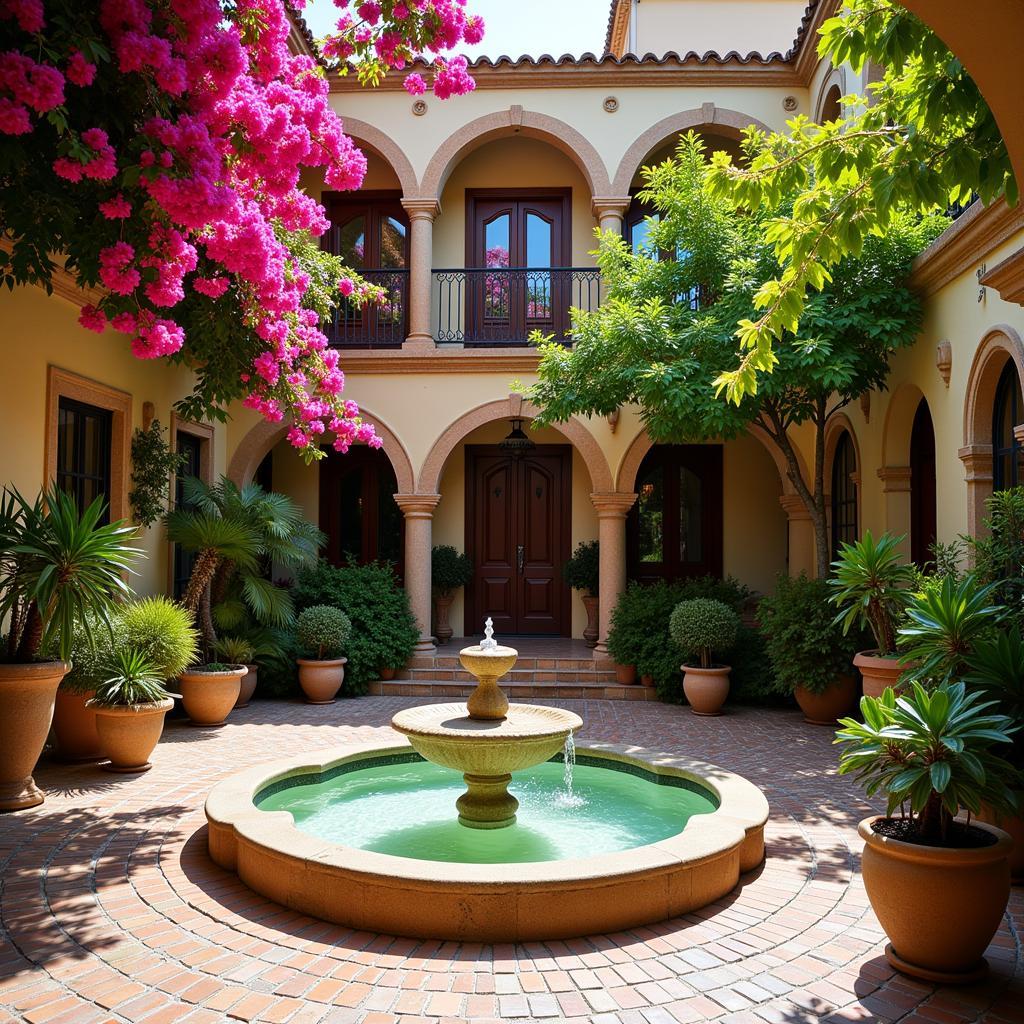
pixel 977 460
pixel 612 504
pixel 894 479
pixel 602 205
pixel 794 507
pixel 417 506
pixel 422 208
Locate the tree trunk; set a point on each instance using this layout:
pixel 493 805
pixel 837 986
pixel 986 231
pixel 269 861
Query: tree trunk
pixel 31 635
pixel 198 591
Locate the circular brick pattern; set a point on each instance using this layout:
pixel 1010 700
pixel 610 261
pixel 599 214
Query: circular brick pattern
pixel 112 911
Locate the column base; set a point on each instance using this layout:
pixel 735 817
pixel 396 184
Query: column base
pixel 601 652
pixel 425 645
pixel 419 343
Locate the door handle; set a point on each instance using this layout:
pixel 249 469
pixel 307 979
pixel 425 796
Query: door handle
pixel 520 557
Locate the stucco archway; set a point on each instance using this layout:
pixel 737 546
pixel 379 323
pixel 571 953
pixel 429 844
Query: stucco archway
pixel 722 120
pixel 258 442
pixel 515 121
pixel 835 80
pixel 386 148
pixel 507 408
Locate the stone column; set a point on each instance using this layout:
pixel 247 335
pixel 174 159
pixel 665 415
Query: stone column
pixel 421 256
pixel 977 460
pixel 801 535
pixel 609 211
pixel 896 495
pixel 418 510
pixel 612 508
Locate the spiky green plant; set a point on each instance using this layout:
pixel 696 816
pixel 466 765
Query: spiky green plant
pixel 996 668
pixel 161 629
pixel 132 680
pixel 235 649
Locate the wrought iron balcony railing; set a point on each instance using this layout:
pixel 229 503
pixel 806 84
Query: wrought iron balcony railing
pixel 495 306
pixel 378 324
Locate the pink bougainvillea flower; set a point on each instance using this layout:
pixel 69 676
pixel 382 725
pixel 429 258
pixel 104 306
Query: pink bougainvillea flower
pixel 414 84
pixel 79 71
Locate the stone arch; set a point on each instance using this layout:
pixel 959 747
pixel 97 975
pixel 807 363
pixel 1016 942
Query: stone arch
pixel 899 421
pixel 253 448
pixel 515 121
pixel 507 408
pixel 726 122
pixel 836 80
pixel 386 148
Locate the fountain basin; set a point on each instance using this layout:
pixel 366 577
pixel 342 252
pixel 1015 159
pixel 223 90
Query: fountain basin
pixel 403 895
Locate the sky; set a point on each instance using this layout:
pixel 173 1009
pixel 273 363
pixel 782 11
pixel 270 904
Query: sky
pixel 514 27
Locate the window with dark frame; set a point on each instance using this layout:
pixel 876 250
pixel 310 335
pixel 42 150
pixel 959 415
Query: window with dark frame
pixel 83 452
pixel 636 230
pixel 1007 451
pixel 191 447
pixel 844 493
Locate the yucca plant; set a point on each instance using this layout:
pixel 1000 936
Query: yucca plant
pixel 870 584
pixel 996 668
pixel 235 649
pixel 930 753
pixel 132 679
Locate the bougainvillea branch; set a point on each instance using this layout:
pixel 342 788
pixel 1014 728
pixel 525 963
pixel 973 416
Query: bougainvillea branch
pixel 156 147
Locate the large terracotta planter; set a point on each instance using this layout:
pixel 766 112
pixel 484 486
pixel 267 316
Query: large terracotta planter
pixel 74 727
pixel 442 608
pixel 706 688
pixel 247 687
pixel 625 675
pixel 939 907
pixel 878 673
pixel 590 631
pixel 1014 828
pixel 834 703
pixel 27 694
pixel 129 734
pixel 208 697
pixel 648 681
pixel 386 673
pixel 321 680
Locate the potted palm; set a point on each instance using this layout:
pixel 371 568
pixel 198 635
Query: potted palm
pixel 938 885
pixel 449 570
pixel 702 628
pixel 809 652
pixel 58 566
pixel 870 585
pixel 236 650
pixel 130 706
pixel 581 573
pixel 322 632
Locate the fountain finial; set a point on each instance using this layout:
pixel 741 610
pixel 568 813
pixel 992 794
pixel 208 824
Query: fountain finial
pixel 488 643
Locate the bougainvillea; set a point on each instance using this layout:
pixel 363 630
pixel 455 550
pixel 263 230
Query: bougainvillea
pixel 157 146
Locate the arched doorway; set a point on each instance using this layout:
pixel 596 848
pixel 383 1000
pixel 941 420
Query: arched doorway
pixel 1007 411
pixel 845 526
pixel 923 507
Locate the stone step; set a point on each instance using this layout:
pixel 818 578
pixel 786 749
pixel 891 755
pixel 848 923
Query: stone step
pixel 440 689
pixel 516 675
pixel 447 663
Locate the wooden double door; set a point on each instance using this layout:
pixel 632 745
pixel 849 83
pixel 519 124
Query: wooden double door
pixel 518 533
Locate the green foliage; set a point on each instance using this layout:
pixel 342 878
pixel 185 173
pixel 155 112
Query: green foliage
pixel 153 464
pixel 930 752
pixel 926 140
pixel 58 568
pixel 449 569
pixel 161 630
pixel 131 680
pixel 235 649
pixel 870 584
pixel 384 631
pixel 806 645
pixel 996 668
pixel 946 622
pixel 702 628
pixel 323 632
pixel 999 551
pixel 582 571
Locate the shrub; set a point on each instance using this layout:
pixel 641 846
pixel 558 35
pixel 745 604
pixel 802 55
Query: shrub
pixel 235 649
pixel 384 632
pixel 702 628
pixel 581 572
pixel 999 556
pixel 161 631
pixel 131 679
pixel 805 644
pixel 323 631
pixel 449 569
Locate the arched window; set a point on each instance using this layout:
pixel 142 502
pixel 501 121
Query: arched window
pixel 831 109
pixel 1007 452
pixel 844 493
pixel 922 486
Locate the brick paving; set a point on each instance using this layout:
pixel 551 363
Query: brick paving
pixel 112 912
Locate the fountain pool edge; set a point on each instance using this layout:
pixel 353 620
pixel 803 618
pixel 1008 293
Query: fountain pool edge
pixel 487 902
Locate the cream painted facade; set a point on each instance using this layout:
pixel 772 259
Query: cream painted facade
pixel 586 127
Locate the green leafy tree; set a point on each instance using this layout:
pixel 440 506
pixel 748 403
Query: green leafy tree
pixel 667 327
pixel 924 139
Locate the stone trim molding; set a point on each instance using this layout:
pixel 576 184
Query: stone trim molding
pixel 794 507
pixel 418 506
pixel 515 121
pixel 422 208
pixel 612 505
pixel 573 430
pixel 444 359
pixel 1007 277
pixel 381 144
pixel 728 122
pixel 895 479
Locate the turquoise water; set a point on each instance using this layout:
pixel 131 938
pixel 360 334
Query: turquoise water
pixel 408 810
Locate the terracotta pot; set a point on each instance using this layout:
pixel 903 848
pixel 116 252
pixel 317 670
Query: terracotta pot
pixel 1014 828
pixel 835 702
pixel 247 686
pixel 939 907
pixel 129 734
pixel 625 675
pixel 590 631
pixel 647 681
pixel 74 727
pixel 208 697
pixel 387 673
pixel 321 680
pixel 706 688
pixel 442 628
pixel 27 694
pixel 878 673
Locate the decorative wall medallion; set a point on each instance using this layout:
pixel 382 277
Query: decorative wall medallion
pixel 865 406
pixel 944 360
pixel 790 103
pixel 611 104
pixel 419 108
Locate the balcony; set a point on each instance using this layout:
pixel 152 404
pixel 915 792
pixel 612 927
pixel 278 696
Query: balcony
pixel 378 325
pixel 494 307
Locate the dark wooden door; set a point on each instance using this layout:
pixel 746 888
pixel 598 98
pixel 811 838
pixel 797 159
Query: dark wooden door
pixel 923 512
pixel 518 519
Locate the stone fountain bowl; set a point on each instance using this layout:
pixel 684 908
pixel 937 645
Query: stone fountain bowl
pixel 488 663
pixel 446 735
